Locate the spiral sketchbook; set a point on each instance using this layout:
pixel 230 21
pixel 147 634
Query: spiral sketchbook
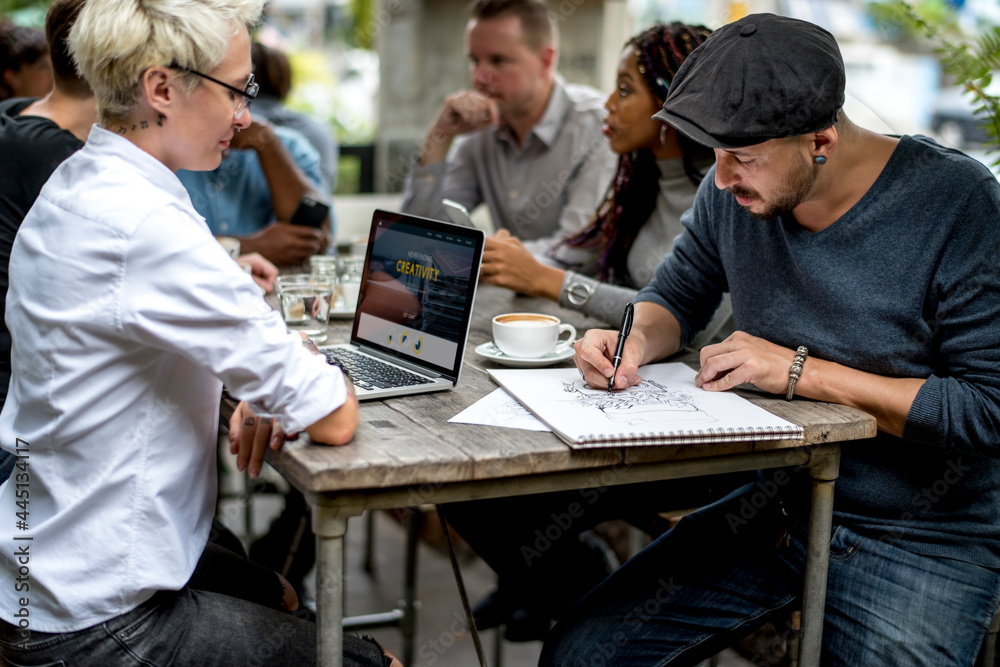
pixel 665 409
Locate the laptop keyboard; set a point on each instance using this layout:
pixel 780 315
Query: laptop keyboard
pixel 371 373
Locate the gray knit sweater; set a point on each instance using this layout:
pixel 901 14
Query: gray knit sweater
pixel 905 284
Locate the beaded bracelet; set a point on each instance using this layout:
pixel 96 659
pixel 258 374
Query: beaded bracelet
pixel 795 372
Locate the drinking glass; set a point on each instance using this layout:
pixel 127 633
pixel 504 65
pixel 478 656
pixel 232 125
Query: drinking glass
pixel 349 280
pixel 323 265
pixel 305 303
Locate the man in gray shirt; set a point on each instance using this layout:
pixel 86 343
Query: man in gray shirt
pixel 532 148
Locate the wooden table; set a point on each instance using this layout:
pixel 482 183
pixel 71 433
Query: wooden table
pixel 405 453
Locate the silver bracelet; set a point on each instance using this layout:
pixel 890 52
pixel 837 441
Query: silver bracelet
pixel 579 291
pixel 795 372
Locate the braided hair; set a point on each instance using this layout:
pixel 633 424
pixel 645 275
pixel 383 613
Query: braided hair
pixel 631 197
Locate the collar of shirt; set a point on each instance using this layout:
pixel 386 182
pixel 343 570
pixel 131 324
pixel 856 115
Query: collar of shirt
pixel 107 143
pixel 547 129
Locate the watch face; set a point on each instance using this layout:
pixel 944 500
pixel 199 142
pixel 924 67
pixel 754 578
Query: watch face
pixel 579 293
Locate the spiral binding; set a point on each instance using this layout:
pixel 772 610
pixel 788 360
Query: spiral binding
pixel 700 437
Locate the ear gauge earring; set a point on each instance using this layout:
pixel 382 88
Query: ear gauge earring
pixel 819 159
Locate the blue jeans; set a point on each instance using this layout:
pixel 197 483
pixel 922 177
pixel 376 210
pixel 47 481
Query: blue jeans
pixel 712 580
pixel 539 558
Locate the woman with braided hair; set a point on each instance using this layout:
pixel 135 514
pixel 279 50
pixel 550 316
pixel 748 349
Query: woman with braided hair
pixel 548 558
pixel 600 269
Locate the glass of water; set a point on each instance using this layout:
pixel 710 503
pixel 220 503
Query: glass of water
pixel 305 303
pixel 323 265
pixel 349 280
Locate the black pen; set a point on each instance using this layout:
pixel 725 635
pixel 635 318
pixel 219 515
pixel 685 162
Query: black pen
pixel 623 332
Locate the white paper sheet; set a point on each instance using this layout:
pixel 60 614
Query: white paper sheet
pixel 499 409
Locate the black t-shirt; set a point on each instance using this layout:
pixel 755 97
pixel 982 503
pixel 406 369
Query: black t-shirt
pixel 31 147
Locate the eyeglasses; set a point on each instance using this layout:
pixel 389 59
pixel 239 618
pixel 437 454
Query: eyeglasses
pixel 247 95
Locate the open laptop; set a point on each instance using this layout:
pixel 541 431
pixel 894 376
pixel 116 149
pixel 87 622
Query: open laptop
pixel 414 307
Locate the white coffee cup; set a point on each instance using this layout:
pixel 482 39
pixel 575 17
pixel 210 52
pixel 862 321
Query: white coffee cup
pixel 530 335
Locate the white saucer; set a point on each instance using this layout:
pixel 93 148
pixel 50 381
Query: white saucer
pixel 492 352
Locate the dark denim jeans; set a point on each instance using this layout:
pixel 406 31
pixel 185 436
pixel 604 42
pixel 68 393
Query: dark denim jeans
pixel 225 616
pixel 714 579
pixel 532 542
pixel 186 628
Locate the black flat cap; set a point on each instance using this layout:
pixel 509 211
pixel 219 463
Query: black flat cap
pixel 759 78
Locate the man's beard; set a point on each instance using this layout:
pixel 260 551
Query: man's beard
pixel 794 190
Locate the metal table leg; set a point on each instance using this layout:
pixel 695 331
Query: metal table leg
pixel 330 527
pixel 370 542
pixel 408 622
pixel 824 468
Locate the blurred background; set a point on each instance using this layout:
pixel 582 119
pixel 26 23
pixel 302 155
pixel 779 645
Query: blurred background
pixel 376 71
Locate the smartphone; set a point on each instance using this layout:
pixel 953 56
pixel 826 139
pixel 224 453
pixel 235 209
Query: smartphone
pixel 310 212
pixel 458 213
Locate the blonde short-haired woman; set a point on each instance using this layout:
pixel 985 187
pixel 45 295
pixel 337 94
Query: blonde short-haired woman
pixel 126 319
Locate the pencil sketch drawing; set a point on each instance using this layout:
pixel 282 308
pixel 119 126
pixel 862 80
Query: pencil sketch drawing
pixel 639 405
pixel 511 411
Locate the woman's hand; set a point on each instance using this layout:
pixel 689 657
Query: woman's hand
pixel 249 436
pixel 507 263
pixel 262 271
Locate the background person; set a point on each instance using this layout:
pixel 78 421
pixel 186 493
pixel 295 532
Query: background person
pixel 528 145
pixel 25 68
pixel 273 71
pixel 878 255
pixel 600 269
pixel 252 195
pixel 126 317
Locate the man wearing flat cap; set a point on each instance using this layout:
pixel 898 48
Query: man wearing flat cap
pixel 863 271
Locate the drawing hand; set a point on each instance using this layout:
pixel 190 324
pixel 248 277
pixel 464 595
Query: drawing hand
pixel 744 358
pixel 595 351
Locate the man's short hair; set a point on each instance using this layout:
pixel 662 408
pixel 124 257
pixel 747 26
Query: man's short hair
pixel 58 21
pixel 537 27
pixel 19 46
pixel 271 70
pixel 114 41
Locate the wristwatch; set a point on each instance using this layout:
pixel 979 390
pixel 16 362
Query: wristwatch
pixel 579 290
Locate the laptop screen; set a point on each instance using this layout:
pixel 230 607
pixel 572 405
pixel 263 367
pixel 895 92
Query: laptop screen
pixel 417 290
